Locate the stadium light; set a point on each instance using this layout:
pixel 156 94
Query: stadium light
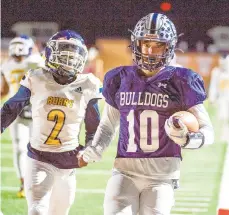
pixel 166 6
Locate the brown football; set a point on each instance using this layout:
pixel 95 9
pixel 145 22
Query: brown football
pixel 187 118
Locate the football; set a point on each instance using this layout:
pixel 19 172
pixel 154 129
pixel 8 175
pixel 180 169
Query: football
pixel 187 118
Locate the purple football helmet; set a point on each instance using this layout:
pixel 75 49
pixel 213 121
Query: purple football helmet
pixel 66 54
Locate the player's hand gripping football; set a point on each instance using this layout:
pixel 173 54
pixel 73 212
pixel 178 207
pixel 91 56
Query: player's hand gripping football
pixel 89 155
pixel 177 131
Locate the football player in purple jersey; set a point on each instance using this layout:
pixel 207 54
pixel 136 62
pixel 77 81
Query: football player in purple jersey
pixel 141 99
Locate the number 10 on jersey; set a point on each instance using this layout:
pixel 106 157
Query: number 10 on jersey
pixel 148 131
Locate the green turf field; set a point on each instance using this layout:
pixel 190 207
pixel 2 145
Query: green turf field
pixel 200 180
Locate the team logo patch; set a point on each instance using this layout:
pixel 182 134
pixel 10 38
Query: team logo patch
pixel 162 85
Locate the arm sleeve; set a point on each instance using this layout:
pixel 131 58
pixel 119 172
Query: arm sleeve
pixel 92 119
pixel 107 128
pixel 13 107
pixel 193 91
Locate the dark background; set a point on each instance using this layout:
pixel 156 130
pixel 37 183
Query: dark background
pixel 112 18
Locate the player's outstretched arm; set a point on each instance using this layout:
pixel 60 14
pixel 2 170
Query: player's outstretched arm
pixel 103 136
pixel 91 120
pixel 13 107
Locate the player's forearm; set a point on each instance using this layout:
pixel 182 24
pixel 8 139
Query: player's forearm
pixel 206 131
pixel 92 120
pixel 13 107
pixel 106 129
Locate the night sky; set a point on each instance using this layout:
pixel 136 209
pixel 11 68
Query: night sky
pixel 112 18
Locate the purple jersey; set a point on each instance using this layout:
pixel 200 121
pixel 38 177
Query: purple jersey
pixel 145 104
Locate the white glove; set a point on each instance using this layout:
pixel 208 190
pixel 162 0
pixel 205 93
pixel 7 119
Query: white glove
pixel 90 154
pixel 178 135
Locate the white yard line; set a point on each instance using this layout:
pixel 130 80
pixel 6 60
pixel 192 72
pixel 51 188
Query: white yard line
pixel 192 204
pixel 6 155
pixel 6 146
pixel 7 169
pixel 190 210
pixel 193 188
pixel 193 198
pixel 194 193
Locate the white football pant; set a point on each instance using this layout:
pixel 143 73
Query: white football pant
pixel 127 195
pixel 49 190
pixel 20 133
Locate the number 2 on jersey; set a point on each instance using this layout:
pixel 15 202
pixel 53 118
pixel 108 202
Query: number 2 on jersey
pixel 148 131
pixel 57 116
